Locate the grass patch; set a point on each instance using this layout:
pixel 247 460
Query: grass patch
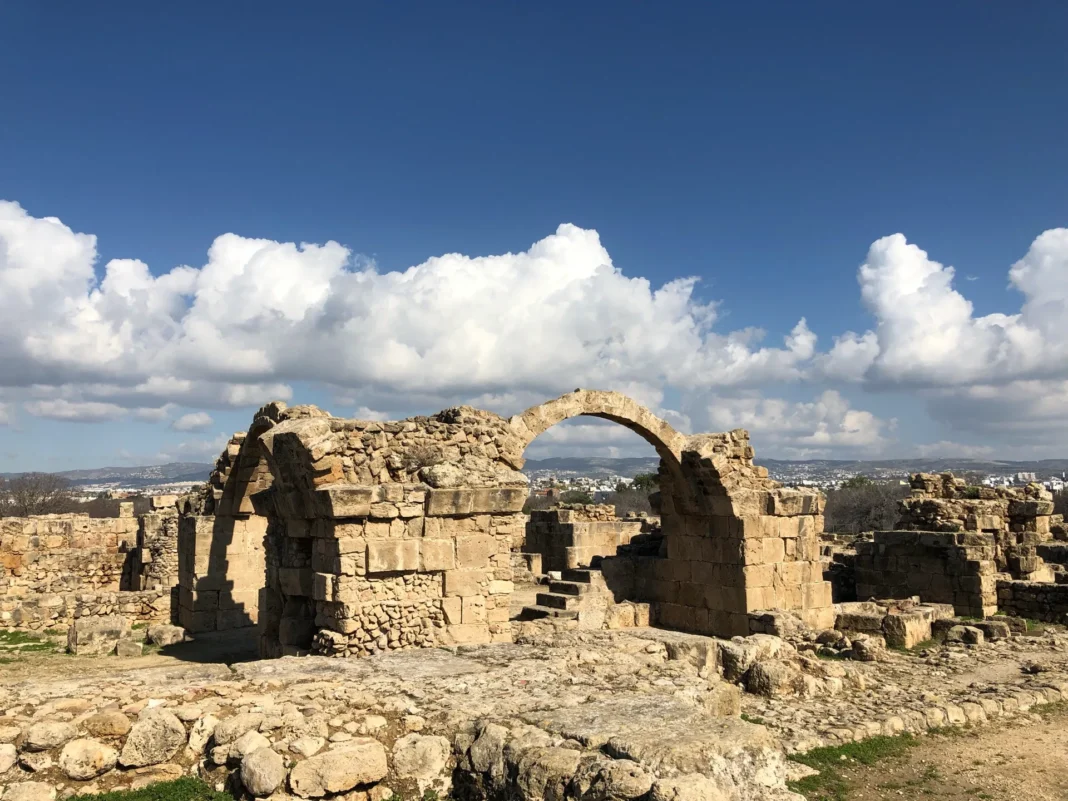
pixel 829 784
pixel 753 719
pixel 184 789
pixel 12 637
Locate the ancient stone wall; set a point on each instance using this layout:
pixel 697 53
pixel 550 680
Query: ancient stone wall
pixel 1018 518
pixel 156 565
pixel 955 568
pixel 382 535
pixel 1034 600
pixel 570 536
pixel 55 568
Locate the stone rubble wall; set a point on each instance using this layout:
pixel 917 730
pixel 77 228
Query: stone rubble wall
pixel 59 610
pixel 1018 518
pixel 1034 600
pixel 567 537
pixel 157 550
pixel 955 568
pixel 47 561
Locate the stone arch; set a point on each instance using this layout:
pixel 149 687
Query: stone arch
pixel 614 406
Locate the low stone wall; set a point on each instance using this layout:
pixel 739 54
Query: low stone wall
pixel 39 612
pixel 568 537
pixel 955 568
pixel 1034 599
pixel 157 550
pixel 62 553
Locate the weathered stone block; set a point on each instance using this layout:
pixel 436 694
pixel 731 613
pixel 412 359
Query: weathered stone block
pixel 390 556
pixel 437 555
pixel 464 582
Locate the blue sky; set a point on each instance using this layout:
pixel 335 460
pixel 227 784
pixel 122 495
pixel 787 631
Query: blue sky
pixel 762 148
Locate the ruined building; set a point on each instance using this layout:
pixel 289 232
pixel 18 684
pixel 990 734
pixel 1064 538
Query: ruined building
pixel 350 537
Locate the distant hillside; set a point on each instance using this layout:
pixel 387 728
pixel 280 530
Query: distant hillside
pixel 923 465
pixel 173 472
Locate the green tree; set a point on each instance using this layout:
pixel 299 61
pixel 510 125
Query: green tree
pixel 857 482
pixel 646 482
pixel 576 496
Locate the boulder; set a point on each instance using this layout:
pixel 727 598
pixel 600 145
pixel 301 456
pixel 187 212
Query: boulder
pixel 307 746
pixel 86 759
pixel 994 630
pixel 200 733
pixel 110 723
pixel 263 771
pixel 968 635
pixel 97 636
pixel 418 756
pixel 361 761
pixel 155 738
pixel 247 743
pixel 30 791
pixel 861 616
pixel 868 648
pixel 47 734
pixel 164 634
pixel 773 677
pixel 544 773
pixel 230 729
pixel 618 780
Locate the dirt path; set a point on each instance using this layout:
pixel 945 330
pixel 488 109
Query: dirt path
pixel 1025 759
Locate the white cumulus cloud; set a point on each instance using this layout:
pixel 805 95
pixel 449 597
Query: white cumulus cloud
pixel 194 421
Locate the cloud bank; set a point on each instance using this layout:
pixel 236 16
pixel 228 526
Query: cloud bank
pixel 95 343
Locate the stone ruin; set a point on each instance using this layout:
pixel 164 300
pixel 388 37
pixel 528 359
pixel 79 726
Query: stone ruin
pixel 57 568
pixel 385 535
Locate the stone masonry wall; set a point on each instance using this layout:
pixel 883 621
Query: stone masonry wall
pixel 1033 599
pixel 570 536
pixel 397 534
pixel 55 568
pixel 1018 518
pixel 955 568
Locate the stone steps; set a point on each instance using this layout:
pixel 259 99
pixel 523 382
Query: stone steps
pixel 536 611
pixel 565 596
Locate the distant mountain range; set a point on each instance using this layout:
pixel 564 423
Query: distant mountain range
pixel 593 466
pixel 133 477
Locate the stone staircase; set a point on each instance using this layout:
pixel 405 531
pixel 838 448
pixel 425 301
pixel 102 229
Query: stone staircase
pixel 569 596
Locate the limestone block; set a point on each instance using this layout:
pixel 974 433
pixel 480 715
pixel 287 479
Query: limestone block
pixel 464 582
pixel 906 629
pixel 437 555
pixel 474 552
pixel 466 634
pixel 344 501
pixel 494 500
pixel 296 581
pixel 392 556
pixel 452 608
pixel 473 609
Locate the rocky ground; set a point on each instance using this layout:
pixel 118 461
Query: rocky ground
pixel 638 713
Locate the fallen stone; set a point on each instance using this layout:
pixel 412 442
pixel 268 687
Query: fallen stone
pixel 619 780
pixel 155 774
pixel 46 734
pixel 97 636
pixel 307 746
pixel 164 634
pixel 230 729
pixel 868 648
pixel 37 762
pixel 773 678
pixel 201 733
pixel 417 756
pixel 340 770
pixel 263 771
pixel 968 635
pixel 86 759
pixel 107 724
pixel 994 630
pixel 247 743
pixel 906 629
pixel 129 648
pixel 544 773
pixel 155 738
